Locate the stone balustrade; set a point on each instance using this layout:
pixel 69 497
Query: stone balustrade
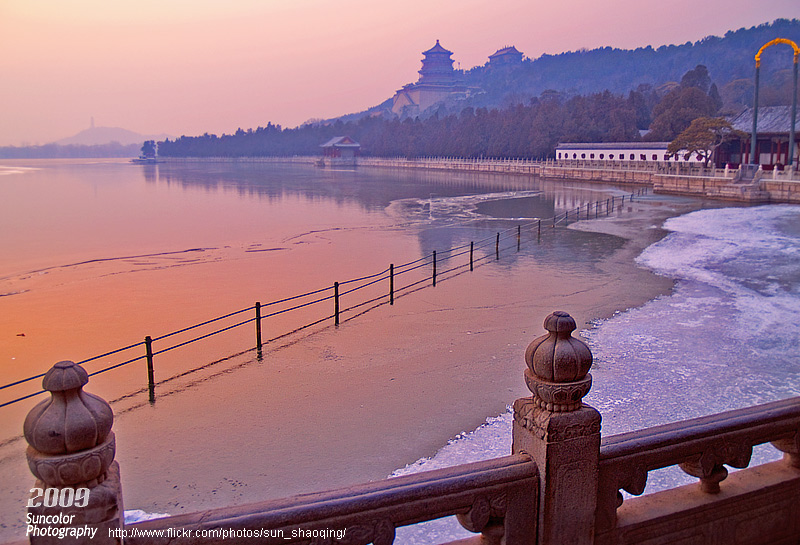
pixel 701 447
pixel 494 498
pixel 561 484
pixel 667 177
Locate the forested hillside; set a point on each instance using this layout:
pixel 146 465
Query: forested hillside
pixel 729 60
pixel 602 95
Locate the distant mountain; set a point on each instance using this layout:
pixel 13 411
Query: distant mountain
pixel 96 136
pixel 729 60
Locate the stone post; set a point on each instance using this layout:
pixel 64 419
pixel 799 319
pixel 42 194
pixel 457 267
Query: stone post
pixel 71 450
pixel 560 433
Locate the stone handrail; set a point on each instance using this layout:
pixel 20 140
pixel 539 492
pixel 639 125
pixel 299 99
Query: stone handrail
pixel 495 497
pixel 561 484
pixel 700 446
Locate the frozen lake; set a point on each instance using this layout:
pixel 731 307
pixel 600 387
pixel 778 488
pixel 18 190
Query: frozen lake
pixel 98 255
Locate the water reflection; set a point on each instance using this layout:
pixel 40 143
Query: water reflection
pixel 375 188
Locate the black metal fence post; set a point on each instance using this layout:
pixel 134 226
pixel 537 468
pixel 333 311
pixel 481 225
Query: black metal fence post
pixel 258 330
pixel 539 231
pixel 434 268
pixel 391 284
pixel 497 247
pixel 336 303
pixel 471 253
pixel 151 381
pixel 519 236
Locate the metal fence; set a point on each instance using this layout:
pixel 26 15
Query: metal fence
pixel 393 276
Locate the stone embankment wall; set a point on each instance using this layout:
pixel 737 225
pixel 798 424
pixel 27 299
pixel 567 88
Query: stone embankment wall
pixel 782 191
pixel 676 179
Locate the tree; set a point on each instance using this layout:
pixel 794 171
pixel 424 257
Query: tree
pixel 698 77
pixel 703 137
pixel 149 149
pixel 677 110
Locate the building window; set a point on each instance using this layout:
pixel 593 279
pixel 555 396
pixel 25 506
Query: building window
pixel 631 157
pixel 602 156
pixel 583 156
pixel 655 157
pixel 591 156
pixel 642 157
pixel 559 155
pixel 611 156
pixel 574 155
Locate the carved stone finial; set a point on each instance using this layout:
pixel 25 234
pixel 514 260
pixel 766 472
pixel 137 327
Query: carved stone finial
pixel 71 445
pixel 558 366
pixel 70 437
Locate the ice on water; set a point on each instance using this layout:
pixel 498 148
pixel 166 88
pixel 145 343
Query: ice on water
pixel 727 337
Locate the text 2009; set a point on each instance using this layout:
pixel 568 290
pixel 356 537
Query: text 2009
pixel 63 497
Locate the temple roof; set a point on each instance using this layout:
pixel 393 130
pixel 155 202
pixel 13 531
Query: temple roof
pixel 771 119
pixel 437 49
pixel 506 51
pixel 340 142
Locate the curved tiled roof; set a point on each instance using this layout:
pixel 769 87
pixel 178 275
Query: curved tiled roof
pixel 437 49
pixel 771 119
pixel 505 51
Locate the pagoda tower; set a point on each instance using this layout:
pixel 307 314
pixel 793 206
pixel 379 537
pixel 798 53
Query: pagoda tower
pixel 437 67
pixel 438 81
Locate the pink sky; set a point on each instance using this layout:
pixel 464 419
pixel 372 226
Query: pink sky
pixel 194 66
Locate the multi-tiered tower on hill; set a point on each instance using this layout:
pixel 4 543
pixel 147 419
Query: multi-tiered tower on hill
pixel 437 81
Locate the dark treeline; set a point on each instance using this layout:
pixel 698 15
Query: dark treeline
pixel 55 151
pixel 530 131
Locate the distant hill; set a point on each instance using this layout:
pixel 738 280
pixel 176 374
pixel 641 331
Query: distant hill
pixel 729 59
pixel 92 142
pixel 97 136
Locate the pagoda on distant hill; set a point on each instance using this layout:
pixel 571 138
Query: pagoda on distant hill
pixel 437 82
pixel 437 67
pixel 507 56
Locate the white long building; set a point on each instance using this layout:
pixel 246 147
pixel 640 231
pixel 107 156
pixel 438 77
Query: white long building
pixel 650 152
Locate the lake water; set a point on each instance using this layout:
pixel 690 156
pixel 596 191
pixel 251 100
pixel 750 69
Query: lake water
pixel 99 254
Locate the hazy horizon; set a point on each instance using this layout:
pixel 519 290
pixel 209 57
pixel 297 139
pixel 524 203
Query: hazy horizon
pixel 193 67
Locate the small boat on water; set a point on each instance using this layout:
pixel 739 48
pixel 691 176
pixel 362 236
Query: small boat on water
pixel 144 160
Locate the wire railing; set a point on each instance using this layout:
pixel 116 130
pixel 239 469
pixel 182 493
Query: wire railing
pixel 391 274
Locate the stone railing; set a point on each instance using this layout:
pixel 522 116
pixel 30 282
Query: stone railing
pixel 495 498
pixel 560 485
pixel 702 447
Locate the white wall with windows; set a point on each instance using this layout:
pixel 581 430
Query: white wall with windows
pixel 651 152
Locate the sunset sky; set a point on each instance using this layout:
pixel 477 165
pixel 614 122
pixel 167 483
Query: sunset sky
pixel 195 66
